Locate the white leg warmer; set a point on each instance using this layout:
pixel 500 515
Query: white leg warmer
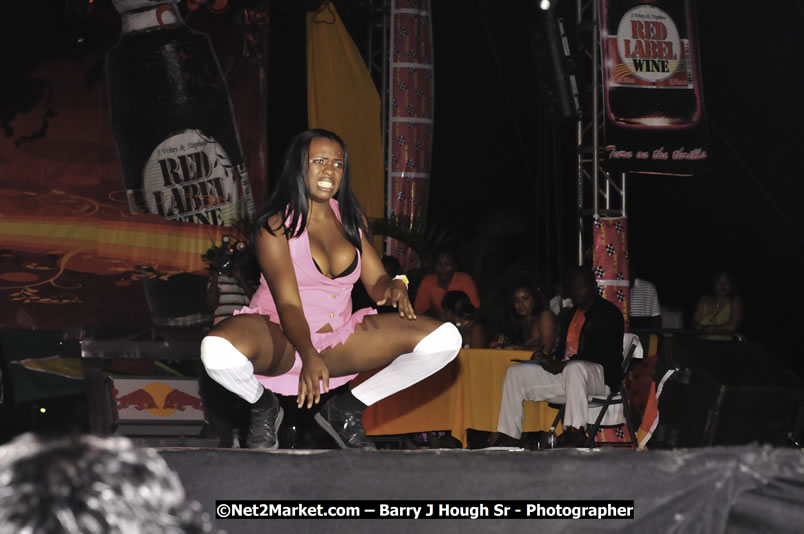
pixel 230 368
pixel 430 355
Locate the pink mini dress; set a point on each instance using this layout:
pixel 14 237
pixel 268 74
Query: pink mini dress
pixel 324 300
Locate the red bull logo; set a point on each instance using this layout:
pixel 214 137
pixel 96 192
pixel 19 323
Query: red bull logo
pixel 157 398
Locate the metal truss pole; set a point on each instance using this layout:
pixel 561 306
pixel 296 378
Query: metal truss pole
pixel 594 182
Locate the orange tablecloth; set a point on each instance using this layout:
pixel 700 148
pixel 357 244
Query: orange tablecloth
pixel 465 394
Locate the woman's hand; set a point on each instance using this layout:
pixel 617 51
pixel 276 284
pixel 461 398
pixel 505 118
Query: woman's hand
pixel 384 290
pixel 396 295
pixel 314 372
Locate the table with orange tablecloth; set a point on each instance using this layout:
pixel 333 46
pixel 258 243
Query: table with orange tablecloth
pixel 465 394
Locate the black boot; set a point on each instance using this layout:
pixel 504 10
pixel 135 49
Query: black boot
pixel 266 416
pixel 343 421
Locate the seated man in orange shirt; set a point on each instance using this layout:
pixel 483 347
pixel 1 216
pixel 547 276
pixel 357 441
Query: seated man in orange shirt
pixel 588 362
pixel 434 286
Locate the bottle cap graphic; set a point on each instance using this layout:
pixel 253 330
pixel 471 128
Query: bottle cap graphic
pixel 124 6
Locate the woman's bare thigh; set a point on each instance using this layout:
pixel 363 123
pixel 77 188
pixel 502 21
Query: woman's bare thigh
pixel 260 340
pixel 376 342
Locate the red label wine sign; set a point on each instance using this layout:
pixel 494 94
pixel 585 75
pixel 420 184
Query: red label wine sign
pixel 189 178
pixel 648 51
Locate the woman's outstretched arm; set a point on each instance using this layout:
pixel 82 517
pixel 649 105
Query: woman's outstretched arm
pixel 380 287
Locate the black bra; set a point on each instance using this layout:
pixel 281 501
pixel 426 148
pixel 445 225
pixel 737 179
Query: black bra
pixel 349 270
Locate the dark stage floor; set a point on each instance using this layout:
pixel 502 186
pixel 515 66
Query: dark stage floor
pixel 706 490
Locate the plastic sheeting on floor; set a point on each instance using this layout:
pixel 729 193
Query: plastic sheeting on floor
pixel 708 490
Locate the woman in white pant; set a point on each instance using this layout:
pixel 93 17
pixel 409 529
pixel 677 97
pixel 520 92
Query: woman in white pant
pixel 299 329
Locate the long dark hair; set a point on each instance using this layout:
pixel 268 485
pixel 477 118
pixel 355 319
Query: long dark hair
pixel 291 197
pixel 514 328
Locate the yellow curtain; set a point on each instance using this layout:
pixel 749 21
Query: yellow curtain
pixel 341 97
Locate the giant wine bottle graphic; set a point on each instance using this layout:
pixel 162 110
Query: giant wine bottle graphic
pixel 172 119
pixel 176 138
pixel 650 65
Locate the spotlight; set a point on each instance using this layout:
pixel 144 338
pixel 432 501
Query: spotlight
pixel 544 4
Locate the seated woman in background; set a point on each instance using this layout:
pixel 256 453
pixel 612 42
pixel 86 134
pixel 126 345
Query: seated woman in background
pixel 720 313
pixel 532 325
pixel 458 310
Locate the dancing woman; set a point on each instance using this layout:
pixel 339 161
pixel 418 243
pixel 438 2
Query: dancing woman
pixel 299 330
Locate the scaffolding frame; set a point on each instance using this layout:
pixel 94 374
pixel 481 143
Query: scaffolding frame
pixel 599 192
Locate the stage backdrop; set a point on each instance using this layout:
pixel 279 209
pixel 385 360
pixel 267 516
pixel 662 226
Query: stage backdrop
pixel 652 87
pixel 71 252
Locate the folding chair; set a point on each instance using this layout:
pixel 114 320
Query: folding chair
pixel 632 348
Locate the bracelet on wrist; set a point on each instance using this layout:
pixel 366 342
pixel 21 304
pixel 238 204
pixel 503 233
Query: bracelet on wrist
pixel 403 278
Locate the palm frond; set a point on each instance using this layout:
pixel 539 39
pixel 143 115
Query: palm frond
pixel 426 239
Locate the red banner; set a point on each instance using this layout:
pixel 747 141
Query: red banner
pixel 410 119
pixel 611 261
